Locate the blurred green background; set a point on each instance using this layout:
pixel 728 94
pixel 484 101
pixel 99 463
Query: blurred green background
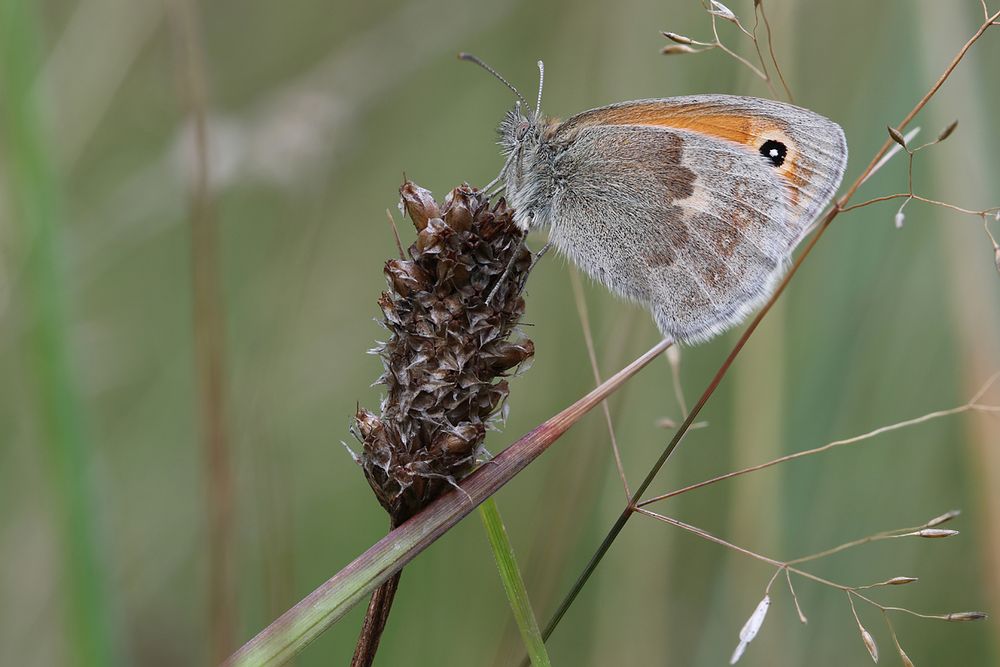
pixel 317 108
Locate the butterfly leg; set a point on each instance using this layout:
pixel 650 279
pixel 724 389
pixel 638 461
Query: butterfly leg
pixel 498 181
pixel 489 186
pixel 538 255
pixel 510 267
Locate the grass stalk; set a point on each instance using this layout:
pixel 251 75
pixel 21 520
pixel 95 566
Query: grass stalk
pixel 301 624
pixel 35 194
pixel 209 336
pixel 513 583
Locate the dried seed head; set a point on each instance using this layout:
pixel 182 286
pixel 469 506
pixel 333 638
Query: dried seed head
pixel 505 356
pixel 458 212
pixel 405 277
pixel 751 628
pixel 866 636
pixel 738 653
pixel 870 644
pixel 680 39
pixel 720 10
pixel 900 581
pixel 904 658
pixel 962 616
pixel 946 132
pixel 896 136
pixel 418 204
pixel 996 257
pixel 459 442
pixel 899 219
pixel 934 533
pixel 448 349
pixel 938 520
pixel 677 49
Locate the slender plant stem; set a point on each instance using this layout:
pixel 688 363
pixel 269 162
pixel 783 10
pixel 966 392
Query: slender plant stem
pixel 35 200
pixel 824 224
pixel 588 338
pixel 376 616
pixel 810 452
pixel 209 335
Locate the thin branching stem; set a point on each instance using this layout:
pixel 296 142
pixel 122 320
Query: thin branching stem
pixel 925 200
pixel 885 535
pixel 972 405
pixel 795 598
pixel 788 567
pixel 675 377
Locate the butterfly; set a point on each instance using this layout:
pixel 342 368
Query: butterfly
pixel 690 205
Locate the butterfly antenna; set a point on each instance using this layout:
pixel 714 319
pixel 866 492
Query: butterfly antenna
pixel 473 59
pixel 541 82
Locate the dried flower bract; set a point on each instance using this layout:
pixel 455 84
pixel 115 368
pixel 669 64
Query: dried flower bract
pixel 897 136
pixel 449 349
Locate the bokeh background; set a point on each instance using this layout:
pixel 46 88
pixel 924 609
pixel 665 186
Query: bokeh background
pixel 317 108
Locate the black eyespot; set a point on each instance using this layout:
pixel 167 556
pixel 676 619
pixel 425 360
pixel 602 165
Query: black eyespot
pixel 774 151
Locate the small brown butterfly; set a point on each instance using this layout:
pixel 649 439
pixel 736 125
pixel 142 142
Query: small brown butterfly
pixel 689 205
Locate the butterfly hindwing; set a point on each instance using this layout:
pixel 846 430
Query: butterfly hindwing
pixel 692 205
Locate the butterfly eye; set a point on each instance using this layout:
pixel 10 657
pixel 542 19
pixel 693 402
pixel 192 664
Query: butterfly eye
pixel 774 151
pixel 522 130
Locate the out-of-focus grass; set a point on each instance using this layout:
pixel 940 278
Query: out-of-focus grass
pixel 35 212
pixel 880 325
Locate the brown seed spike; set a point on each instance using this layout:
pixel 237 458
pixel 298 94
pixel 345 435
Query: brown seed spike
pixel 680 39
pixel 935 533
pixel 448 348
pixel 946 132
pixel 896 136
pixel 943 518
pixel 677 49
pixel 962 616
pixel 870 644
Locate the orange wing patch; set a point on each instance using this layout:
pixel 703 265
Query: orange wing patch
pixel 749 131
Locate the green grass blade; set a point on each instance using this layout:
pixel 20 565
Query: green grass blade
pixel 513 584
pixel 35 196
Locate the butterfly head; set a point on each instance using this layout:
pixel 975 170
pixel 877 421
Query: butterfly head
pixel 527 170
pixel 519 131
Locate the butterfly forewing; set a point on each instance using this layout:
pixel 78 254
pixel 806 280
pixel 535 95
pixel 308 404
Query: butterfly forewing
pixel 693 204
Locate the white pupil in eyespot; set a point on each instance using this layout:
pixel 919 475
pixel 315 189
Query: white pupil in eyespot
pixel 773 152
